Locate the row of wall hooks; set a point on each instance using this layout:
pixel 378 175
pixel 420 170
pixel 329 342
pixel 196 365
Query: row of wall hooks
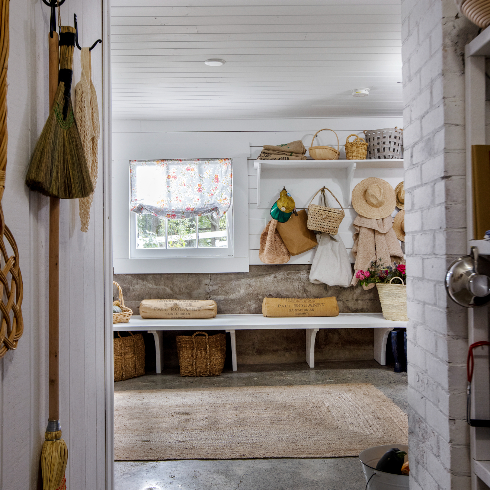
pixel 53 4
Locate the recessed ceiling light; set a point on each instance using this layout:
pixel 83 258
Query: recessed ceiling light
pixel 215 62
pixel 360 92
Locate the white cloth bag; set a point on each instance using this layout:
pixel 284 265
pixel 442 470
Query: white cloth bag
pixel 331 263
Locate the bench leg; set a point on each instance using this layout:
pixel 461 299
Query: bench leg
pixel 233 349
pixel 158 336
pixel 380 339
pixel 310 346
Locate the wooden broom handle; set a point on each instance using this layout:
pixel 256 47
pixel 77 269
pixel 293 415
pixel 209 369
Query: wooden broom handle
pixel 54 255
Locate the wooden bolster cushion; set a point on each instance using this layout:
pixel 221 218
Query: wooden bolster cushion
pixel 178 308
pixel 288 307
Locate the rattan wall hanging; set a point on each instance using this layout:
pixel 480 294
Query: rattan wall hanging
pixel 11 289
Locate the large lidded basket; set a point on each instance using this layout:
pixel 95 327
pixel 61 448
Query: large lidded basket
pixel 384 143
pixel 201 354
pixel 393 298
pixel 324 152
pixel 125 314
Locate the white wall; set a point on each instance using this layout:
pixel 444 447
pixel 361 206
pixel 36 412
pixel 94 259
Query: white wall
pixel 23 373
pixel 133 139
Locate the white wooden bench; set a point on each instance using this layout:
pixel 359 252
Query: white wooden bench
pixel 231 323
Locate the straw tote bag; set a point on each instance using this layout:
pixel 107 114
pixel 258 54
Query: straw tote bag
pixel 323 218
pixel 296 235
pixel 272 249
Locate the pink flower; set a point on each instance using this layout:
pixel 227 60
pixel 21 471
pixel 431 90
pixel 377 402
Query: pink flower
pixel 401 268
pixel 360 274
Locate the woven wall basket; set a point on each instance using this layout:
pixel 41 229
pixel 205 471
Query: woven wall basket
pixel 324 152
pixel 478 11
pixel 357 149
pixel 201 354
pixel 126 313
pixel 393 298
pixel 323 218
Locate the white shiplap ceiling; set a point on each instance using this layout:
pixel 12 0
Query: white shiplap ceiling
pixel 284 58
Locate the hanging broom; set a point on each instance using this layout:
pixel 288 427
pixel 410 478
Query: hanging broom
pixel 58 166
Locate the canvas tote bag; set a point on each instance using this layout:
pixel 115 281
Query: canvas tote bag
pixel 296 235
pixel 272 249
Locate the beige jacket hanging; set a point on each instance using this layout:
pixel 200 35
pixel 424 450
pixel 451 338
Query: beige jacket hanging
pixel 374 239
pixel 87 117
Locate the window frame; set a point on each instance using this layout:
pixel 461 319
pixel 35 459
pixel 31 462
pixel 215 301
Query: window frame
pixel 181 262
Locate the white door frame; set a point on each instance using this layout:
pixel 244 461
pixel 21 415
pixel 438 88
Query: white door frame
pixel 107 189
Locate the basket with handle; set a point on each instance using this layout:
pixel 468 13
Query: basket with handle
pixel 322 218
pixel 324 152
pixel 201 354
pixel 477 11
pixel 126 313
pixel 357 149
pixel 393 298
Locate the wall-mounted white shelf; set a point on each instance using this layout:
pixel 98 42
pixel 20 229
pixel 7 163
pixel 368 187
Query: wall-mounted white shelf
pixel 482 471
pixel 304 177
pixel 483 246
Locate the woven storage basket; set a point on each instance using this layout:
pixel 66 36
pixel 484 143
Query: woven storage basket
pixel 384 143
pixel 129 356
pixel 324 152
pixel 200 354
pixel 393 298
pixel 357 149
pixel 323 218
pixel 126 313
pixel 478 11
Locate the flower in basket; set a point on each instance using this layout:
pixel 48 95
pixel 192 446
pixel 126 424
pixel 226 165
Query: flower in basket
pixel 378 273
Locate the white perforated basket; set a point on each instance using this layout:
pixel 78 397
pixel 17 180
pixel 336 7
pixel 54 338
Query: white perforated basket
pixel 384 143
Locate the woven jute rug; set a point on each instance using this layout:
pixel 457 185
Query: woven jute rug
pixel 314 421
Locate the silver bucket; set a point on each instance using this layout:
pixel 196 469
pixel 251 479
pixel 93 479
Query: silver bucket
pixel 379 480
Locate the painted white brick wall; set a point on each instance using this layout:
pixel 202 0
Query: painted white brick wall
pixel 433 38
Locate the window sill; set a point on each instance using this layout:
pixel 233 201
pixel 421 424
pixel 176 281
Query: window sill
pixel 188 265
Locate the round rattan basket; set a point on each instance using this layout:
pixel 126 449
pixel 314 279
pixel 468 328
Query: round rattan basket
pixel 126 313
pixel 393 298
pixel 478 11
pixel 357 149
pixel 324 152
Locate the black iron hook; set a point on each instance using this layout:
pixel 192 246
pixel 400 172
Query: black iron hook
pixel 52 22
pixel 76 35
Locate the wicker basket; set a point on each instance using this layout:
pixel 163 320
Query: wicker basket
pixel 323 218
pixel 129 356
pixel 357 149
pixel 324 152
pixel 393 298
pixel 478 11
pixel 201 356
pixel 126 313
pixel 384 143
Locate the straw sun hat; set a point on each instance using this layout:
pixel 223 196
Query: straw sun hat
pixel 400 196
pixel 399 225
pixel 373 198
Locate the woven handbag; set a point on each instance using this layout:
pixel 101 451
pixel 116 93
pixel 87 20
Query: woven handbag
pixel 129 356
pixel 357 149
pixel 393 298
pixel 323 218
pixel 201 356
pixel 324 152
pixel 126 313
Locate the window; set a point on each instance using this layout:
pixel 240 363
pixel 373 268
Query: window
pixel 182 215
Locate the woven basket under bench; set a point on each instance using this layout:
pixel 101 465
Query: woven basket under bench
pixel 129 356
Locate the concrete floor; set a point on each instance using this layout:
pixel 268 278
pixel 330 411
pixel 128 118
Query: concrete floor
pixel 264 474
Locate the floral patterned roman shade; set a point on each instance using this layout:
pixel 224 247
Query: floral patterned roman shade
pixel 181 188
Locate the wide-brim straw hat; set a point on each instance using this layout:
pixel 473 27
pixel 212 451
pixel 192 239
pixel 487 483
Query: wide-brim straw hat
pixel 400 195
pixel 399 225
pixel 374 198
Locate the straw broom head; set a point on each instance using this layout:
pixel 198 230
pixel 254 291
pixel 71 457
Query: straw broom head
pixel 54 457
pixel 58 166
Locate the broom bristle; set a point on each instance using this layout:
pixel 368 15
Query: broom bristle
pixel 58 166
pixel 54 457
